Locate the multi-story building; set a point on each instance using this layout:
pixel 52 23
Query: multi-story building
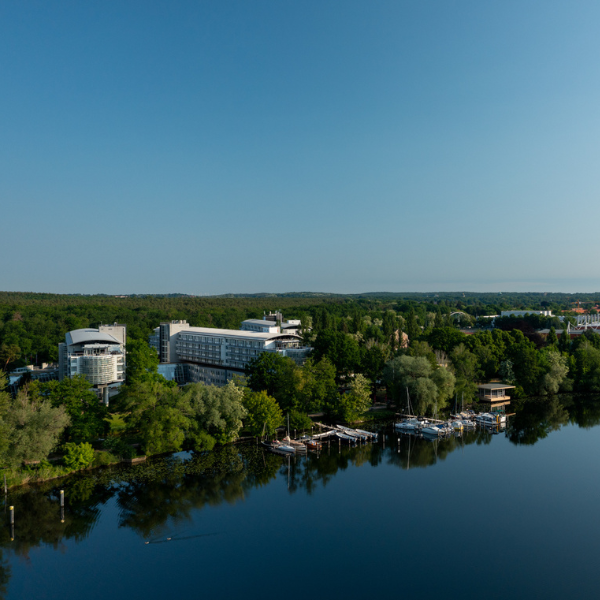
pixel 214 356
pixel 154 340
pixel 98 354
pixel 22 375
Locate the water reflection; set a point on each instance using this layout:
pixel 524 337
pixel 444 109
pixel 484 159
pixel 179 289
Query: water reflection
pixel 163 494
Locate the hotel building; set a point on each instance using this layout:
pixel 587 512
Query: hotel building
pixel 98 354
pixel 214 356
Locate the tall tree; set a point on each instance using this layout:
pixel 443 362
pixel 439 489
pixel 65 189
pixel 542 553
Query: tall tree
pixel 158 414
pixel 34 428
pixel 355 403
pixel 217 411
pixel 552 339
pixel 86 412
pixel 142 362
pixel 262 413
pixel 264 372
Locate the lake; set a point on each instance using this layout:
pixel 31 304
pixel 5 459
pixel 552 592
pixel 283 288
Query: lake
pixel 508 514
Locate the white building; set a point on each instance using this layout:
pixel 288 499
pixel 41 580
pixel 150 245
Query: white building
pixel 522 313
pixel 260 325
pixel 214 356
pixel 98 354
pixel 272 323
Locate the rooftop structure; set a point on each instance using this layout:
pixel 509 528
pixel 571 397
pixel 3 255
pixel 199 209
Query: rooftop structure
pixel 260 325
pixel 272 323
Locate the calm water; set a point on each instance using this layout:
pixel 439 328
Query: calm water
pixel 506 515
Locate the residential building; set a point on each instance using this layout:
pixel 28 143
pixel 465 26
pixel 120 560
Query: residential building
pixel 215 356
pixel 98 354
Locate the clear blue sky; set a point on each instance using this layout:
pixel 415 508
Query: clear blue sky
pixel 212 147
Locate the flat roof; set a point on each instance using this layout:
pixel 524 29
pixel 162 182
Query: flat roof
pixel 495 386
pixel 237 333
pixel 261 322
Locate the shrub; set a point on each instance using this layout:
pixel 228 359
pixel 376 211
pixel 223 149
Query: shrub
pixel 78 456
pixel 118 447
pixel 104 458
pixel 300 421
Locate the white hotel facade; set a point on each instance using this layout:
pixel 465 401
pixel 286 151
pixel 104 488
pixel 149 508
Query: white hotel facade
pixel 98 354
pixel 214 356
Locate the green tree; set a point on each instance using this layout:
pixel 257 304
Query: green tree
pixel 354 404
pixel 373 358
pixel 389 327
pixel 340 348
pixel 315 386
pixel 142 363
pixel 506 372
pixel 33 427
pixel 487 362
pixel 465 368
pixel 445 338
pixel 587 361
pixel 413 330
pixel 216 411
pixel 429 388
pixel 264 372
pixel 556 372
pixel 263 413
pixel 9 353
pixel 78 456
pixel 86 412
pixel 158 414
pixel 5 401
pixel 564 342
pixel 552 339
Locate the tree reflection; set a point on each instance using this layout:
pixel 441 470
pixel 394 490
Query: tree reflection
pixel 164 493
pixel 536 418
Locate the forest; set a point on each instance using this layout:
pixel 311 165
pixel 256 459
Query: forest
pixel 33 324
pixel 431 348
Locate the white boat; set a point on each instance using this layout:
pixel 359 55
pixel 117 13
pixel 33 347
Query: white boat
pixel 409 425
pixel 279 447
pixel 369 434
pixel 433 430
pixel 490 419
pixel 347 438
pixel 353 432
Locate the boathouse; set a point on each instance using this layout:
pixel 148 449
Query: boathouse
pixel 495 395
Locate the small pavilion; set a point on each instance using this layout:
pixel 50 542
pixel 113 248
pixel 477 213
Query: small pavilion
pixel 495 395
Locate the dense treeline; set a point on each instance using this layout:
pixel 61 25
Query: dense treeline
pixel 364 346
pixel 32 325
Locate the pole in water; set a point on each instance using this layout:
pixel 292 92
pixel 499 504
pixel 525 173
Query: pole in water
pixel 62 514
pixel 12 514
pixel 62 497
